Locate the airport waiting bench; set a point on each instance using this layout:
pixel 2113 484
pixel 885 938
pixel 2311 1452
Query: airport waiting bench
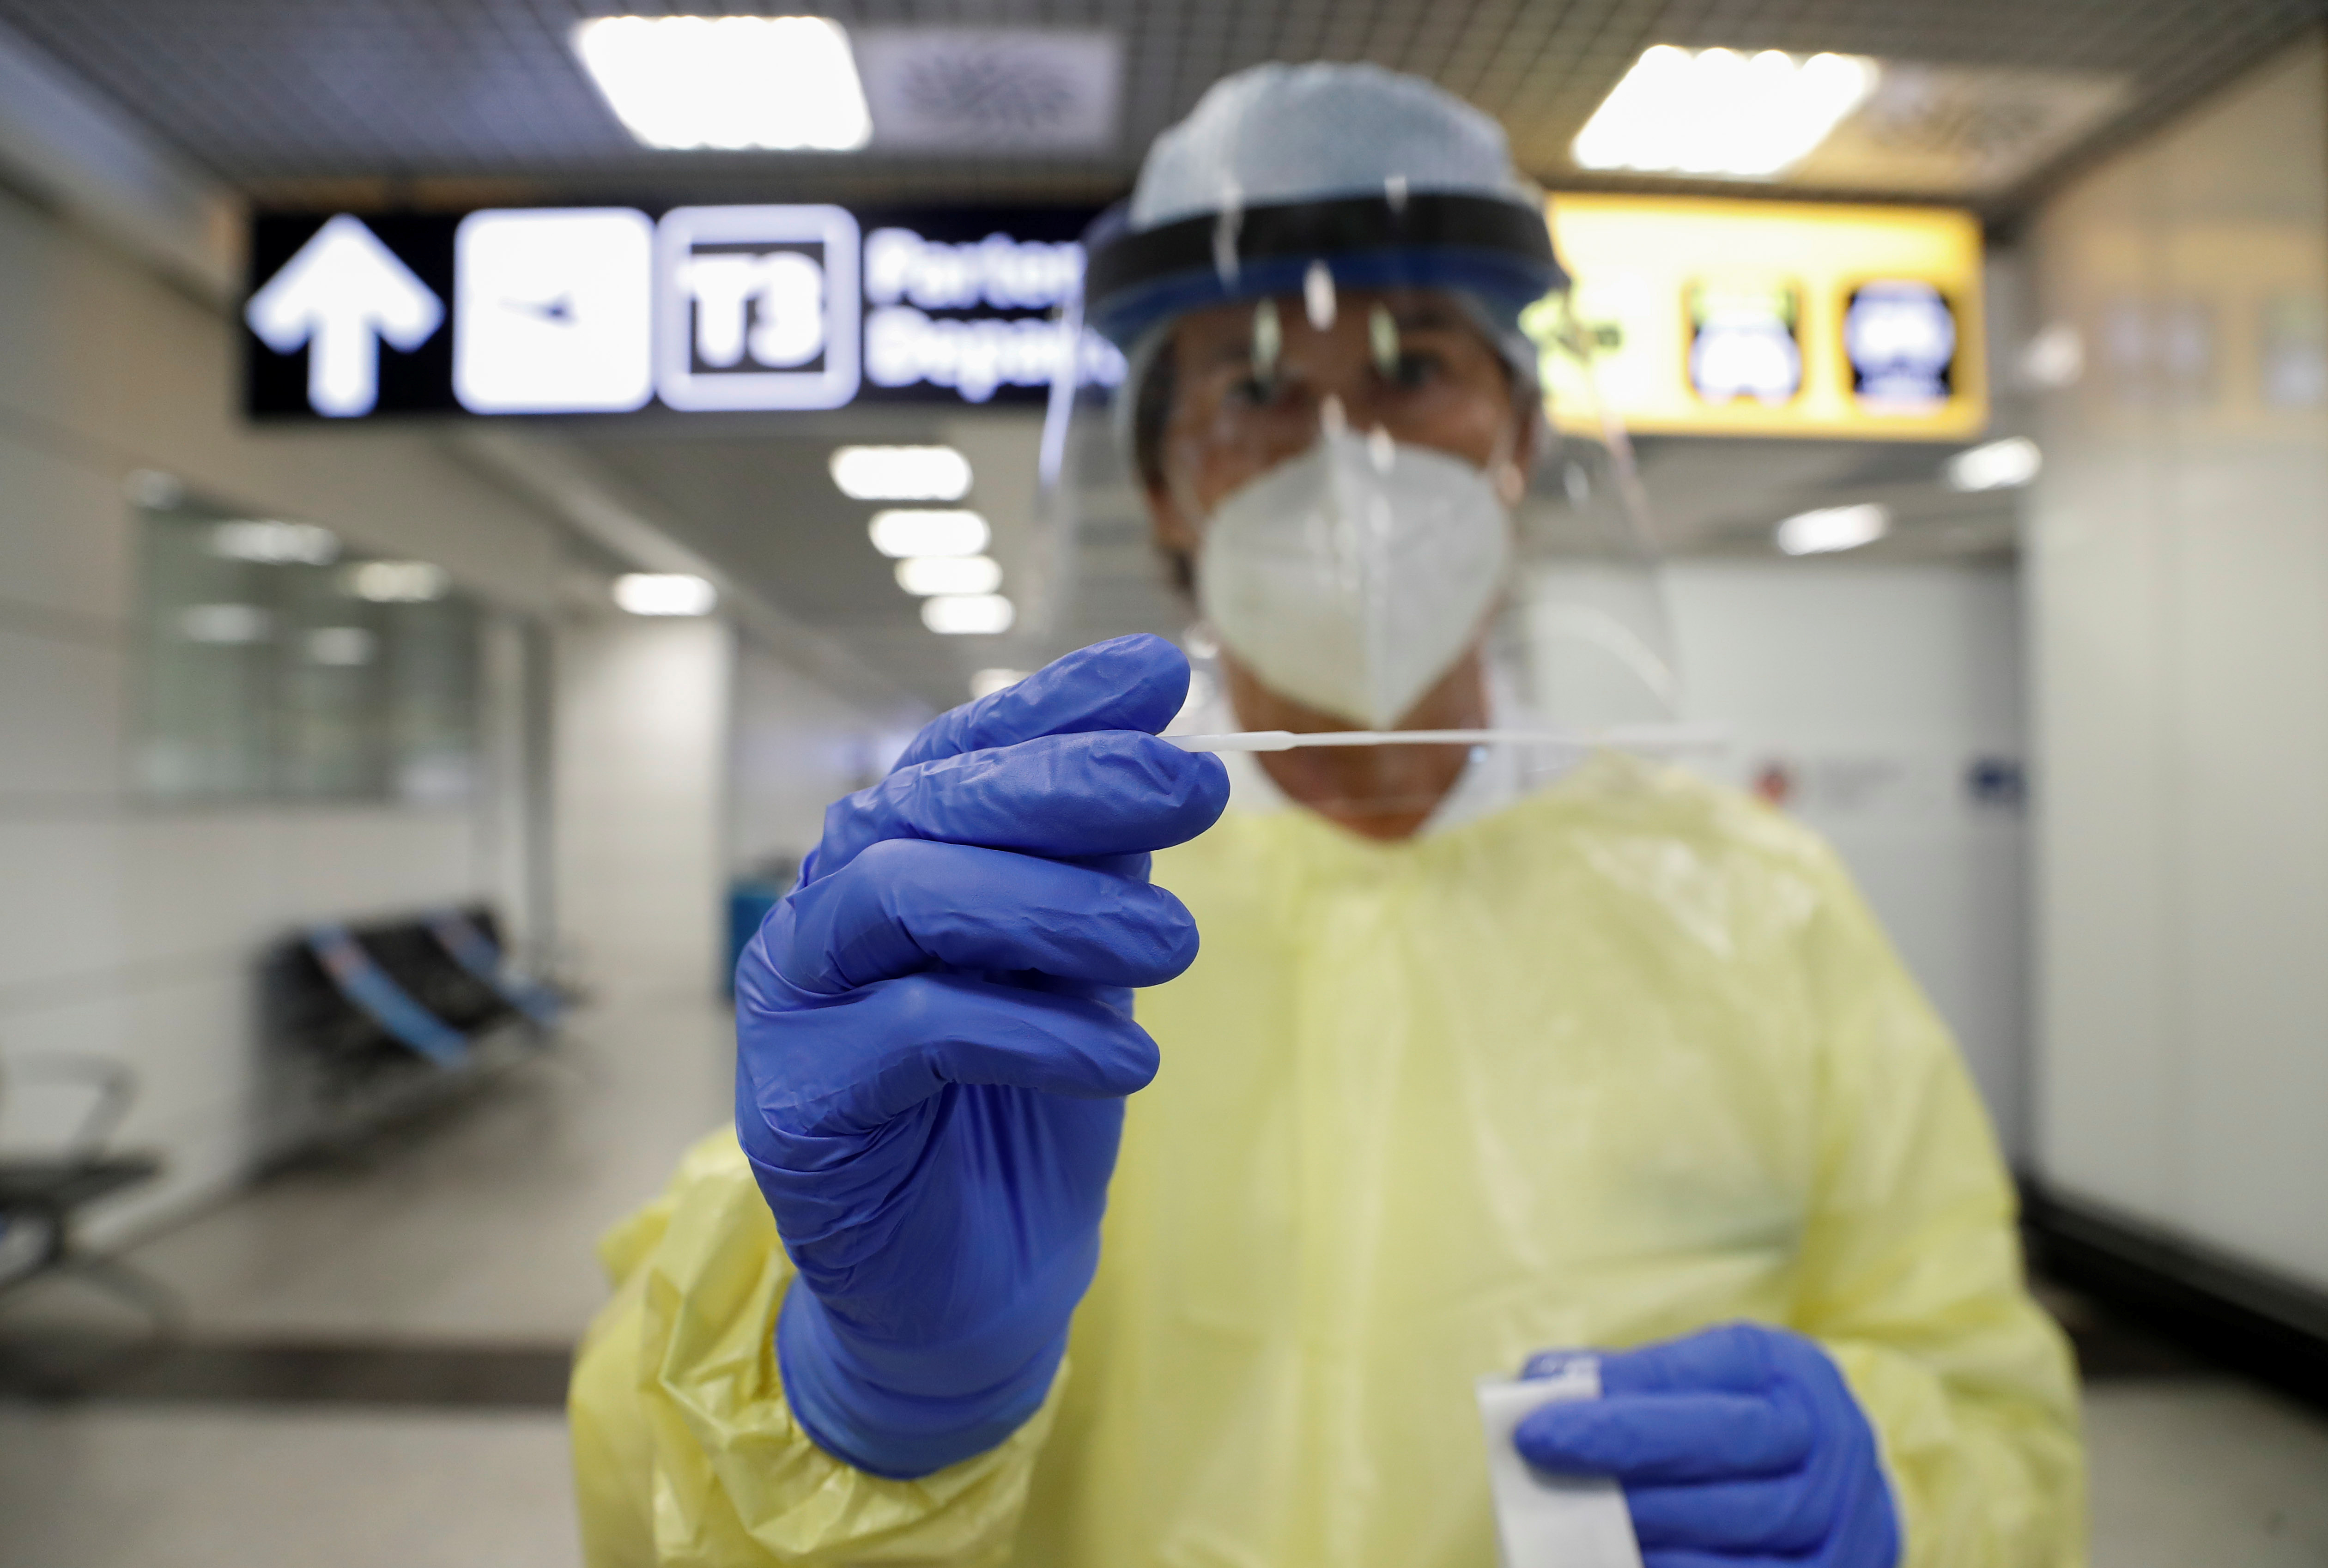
pixel 365 1023
pixel 362 1023
pixel 47 1192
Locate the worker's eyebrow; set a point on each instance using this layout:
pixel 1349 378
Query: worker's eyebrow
pixel 1228 351
pixel 1427 315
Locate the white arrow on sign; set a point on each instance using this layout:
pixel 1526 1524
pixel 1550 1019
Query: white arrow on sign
pixel 342 296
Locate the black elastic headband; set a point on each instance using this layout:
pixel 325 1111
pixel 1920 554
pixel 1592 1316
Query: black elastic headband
pixel 1126 260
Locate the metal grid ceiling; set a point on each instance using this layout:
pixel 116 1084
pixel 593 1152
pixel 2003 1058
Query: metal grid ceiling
pixel 269 93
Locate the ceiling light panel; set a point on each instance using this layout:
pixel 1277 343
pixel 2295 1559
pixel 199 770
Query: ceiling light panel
pixel 968 614
pixel 275 543
pixel 2003 465
pixel 664 594
pixel 906 531
pixel 949 574
pixel 339 647
pixel 225 625
pixel 396 582
pixel 785 83
pixel 901 472
pixel 1722 112
pixel 1832 528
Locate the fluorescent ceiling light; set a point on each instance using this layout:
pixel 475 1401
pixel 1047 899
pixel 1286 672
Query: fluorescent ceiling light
pixel 342 647
pixel 273 543
pixel 1834 527
pixel 949 574
pixel 227 626
pixel 664 594
pixel 902 532
pixel 732 83
pixel 1715 111
pixel 901 472
pixel 987 682
pixel 1994 465
pixel 396 582
pixel 957 615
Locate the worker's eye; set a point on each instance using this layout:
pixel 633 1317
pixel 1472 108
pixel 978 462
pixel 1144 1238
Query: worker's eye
pixel 1255 391
pixel 1415 367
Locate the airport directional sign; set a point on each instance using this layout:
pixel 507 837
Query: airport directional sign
pixel 1727 316
pixel 527 311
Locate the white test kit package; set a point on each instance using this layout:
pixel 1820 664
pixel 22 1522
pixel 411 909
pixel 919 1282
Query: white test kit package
pixel 1545 1521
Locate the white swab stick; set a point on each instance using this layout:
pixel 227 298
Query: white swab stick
pixel 1642 737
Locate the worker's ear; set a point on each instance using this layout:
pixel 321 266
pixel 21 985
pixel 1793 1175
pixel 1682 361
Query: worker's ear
pixel 1534 428
pixel 1510 473
pixel 1175 532
pixel 1176 539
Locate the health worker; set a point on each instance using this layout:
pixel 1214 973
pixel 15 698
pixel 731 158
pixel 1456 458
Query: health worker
pixel 1047 1237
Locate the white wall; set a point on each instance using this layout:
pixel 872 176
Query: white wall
pixel 641 772
pixel 796 748
pixel 2179 601
pixel 1876 687
pixel 129 930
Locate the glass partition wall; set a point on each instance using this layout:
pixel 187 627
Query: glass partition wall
pixel 278 663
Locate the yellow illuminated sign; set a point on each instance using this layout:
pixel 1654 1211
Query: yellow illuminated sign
pixel 1767 318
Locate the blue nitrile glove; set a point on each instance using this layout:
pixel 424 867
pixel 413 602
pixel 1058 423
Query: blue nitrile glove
pixel 934 1035
pixel 1737 1445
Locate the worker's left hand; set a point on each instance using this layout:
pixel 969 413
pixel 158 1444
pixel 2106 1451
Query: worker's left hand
pixel 1737 1445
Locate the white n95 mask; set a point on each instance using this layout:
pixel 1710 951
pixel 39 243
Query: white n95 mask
pixel 1352 577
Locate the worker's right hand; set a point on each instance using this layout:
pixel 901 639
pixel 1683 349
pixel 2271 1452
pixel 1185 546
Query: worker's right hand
pixel 934 1038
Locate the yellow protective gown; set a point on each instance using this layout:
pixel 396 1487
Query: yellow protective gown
pixel 1623 1060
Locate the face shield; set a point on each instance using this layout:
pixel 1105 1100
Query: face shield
pixel 1340 313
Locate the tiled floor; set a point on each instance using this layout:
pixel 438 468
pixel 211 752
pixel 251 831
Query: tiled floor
pixel 108 1486
pixel 2185 1472
pixel 479 1227
pixel 462 1251
pixel 2205 1470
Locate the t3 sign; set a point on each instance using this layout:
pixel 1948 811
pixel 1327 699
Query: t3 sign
pixel 608 310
